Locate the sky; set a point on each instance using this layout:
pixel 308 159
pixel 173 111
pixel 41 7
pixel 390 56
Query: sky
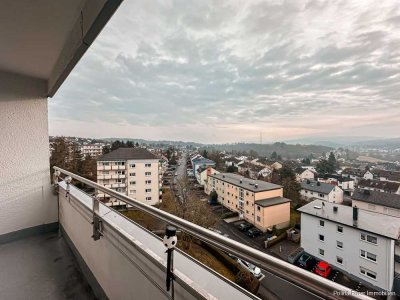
pixel 226 71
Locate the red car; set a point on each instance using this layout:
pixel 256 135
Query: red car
pixel 323 269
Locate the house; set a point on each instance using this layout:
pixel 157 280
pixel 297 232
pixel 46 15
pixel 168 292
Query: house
pixel 347 184
pixel 303 174
pixel 384 203
pixel 276 165
pixel 362 244
pixel 265 172
pixel 202 174
pixel 368 175
pixel 233 162
pixel 355 174
pixel 258 202
pixel 201 162
pixel 381 186
pixel 312 190
pixel 383 175
pixel 130 171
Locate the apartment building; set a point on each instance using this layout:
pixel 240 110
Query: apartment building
pixel 315 190
pixel 361 243
pixel 258 202
pixel 202 174
pixel 93 150
pixel 384 203
pixel 131 171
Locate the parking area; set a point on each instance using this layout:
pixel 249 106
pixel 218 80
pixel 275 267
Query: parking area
pixel 337 276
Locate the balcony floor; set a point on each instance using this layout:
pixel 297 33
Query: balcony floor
pixel 41 267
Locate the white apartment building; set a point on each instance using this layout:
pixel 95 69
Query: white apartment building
pixel 360 243
pixel 93 150
pixel 315 190
pixel 132 171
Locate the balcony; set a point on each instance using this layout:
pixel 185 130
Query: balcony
pixel 68 245
pixel 118 176
pixel 117 185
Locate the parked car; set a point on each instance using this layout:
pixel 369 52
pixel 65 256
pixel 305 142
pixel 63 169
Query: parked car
pixel 251 268
pixel 253 232
pixel 323 269
pixel 244 226
pixel 306 261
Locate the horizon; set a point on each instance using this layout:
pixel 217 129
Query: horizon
pixel 222 72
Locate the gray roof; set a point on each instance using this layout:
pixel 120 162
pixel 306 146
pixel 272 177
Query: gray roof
pixel 375 197
pixel 390 175
pixel 319 187
pixel 272 201
pixel 127 153
pixel 248 184
pixel 387 186
pixel 372 222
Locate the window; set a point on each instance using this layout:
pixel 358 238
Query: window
pixel 106 164
pixel 339 244
pixel 340 229
pixel 321 195
pixel 148 190
pixel 247 202
pixel 321 223
pixel 118 180
pixel 368 273
pixel 148 198
pixel 258 219
pixel 132 191
pixel 247 211
pixel 321 238
pixel 132 174
pixel 147 173
pixel 132 182
pixel 119 163
pixel 321 252
pixel 147 165
pixel 121 172
pixel 369 238
pixel 339 260
pixel 120 190
pixel 258 208
pixel 368 255
pixel 148 181
pixel 132 165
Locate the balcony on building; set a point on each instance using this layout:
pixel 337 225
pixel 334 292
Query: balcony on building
pixel 51 245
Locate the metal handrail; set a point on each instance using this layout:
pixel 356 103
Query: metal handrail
pixel 308 281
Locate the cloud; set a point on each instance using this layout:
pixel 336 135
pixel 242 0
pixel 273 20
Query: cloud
pixel 220 71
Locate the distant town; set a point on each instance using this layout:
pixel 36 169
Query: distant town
pixel 328 210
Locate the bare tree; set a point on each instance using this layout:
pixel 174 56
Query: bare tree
pixel 188 206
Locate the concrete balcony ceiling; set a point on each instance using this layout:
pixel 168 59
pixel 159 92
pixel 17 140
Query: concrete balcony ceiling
pixel 46 39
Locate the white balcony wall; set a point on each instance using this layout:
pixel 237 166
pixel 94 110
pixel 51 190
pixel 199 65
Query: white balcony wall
pixel 129 262
pixel 25 193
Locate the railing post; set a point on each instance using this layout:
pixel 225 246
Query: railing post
pixel 56 175
pixel 97 223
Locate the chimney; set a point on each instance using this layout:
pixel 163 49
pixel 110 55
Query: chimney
pixel 241 180
pixel 256 185
pixel 355 216
pixel 318 183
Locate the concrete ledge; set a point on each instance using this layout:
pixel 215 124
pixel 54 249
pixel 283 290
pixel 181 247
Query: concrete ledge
pixel 91 279
pixel 27 232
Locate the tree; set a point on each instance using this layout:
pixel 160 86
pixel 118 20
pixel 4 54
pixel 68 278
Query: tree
pixel 247 281
pixel 188 206
pixel 332 161
pixel 287 178
pixel 213 197
pixel 60 156
pixel 274 155
pixel 323 167
pixel 306 161
pixel 231 169
pixel 205 153
pixel 129 144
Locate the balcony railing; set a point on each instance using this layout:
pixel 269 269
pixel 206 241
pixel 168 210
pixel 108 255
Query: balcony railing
pixel 303 282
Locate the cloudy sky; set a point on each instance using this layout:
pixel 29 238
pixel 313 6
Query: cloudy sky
pixel 224 71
